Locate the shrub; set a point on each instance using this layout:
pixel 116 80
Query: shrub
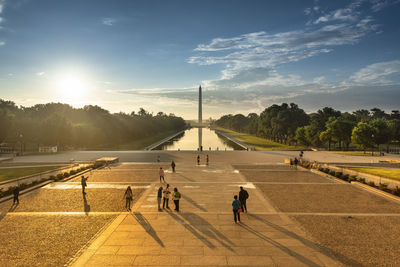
pixel 52 177
pixel 332 173
pixel 72 172
pixel 396 191
pixel 382 186
pixel 326 170
pixel 371 184
pixel 66 174
pixel 346 177
pixel 361 180
pixel 338 174
pixel 60 176
pixel 351 179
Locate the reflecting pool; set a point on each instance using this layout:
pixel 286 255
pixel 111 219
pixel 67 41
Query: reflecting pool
pixel 195 138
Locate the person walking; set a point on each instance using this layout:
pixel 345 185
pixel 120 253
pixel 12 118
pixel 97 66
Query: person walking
pixel 161 173
pixel 83 183
pixel 176 196
pixel 16 195
pixel 243 196
pixel 159 197
pixel 128 197
pixel 198 159
pixel 166 192
pixel 295 161
pixel 173 166
pixel 207 160
pixel 236 208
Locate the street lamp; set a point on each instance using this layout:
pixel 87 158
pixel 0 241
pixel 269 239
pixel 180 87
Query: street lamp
pixel 20 140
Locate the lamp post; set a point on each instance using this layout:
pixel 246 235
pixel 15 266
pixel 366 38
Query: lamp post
pixel 20 141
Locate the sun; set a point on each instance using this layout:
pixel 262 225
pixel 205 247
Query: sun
pixel 71 86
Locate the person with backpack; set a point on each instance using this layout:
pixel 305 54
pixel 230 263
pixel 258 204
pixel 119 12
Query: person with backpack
pixel 128 197
pixel 176 196
pixel 166 192
pixel 236 208
pixel 243 196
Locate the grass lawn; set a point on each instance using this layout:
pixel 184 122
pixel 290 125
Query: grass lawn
pixel 355 153
pixel 387 173
pixel 256 142
pixel 12 173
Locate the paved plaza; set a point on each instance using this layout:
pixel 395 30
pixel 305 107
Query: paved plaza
pixel 295 217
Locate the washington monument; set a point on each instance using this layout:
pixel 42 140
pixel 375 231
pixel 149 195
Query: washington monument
pixel 200 109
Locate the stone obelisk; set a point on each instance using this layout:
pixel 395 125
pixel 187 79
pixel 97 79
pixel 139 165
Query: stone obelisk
pixel 200 121
pixel 200 108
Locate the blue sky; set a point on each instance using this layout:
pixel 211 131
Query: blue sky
pixel 247 55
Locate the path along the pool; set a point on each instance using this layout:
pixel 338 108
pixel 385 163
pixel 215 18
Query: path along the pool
pixel 203 232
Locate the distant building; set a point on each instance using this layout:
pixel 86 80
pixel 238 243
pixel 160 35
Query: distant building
pixel 48 149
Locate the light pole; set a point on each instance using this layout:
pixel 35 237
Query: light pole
pixel 20 141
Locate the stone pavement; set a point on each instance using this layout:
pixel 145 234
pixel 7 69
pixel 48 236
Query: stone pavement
pixel 204 233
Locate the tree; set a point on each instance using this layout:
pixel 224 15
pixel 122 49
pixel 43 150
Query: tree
pixel 362 135
pixel 394 126
pixel 383 133
pixel 301 136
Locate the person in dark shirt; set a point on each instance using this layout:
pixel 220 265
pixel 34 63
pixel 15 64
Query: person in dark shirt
pixel 243 196
pixel 16 195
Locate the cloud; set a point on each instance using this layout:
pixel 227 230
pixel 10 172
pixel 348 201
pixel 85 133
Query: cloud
pixel 108 21
pixel 2 43
pixel 377 73
pixel 40 73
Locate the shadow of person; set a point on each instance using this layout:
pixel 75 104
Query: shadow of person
pixel 324 250
pixel 191 229
pixel 194 203
pixel 13 207
pixel 207 229
pixel 86 206
pixel 147 226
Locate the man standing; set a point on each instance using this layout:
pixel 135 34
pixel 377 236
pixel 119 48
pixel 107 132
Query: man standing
pixel 176 196
pixel 161 173
pixel 173 166
pixel 166 196
pixel 159 196
pixel 207 160
pixel 236 209
pixel 83 183
pixel 243 196
pixel 198 159
pixel 16 195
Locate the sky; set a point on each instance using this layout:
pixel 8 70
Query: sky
pixel 246 55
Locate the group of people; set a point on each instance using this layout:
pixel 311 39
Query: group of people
pixel 239 205
pixel 207 159
pixel 164 194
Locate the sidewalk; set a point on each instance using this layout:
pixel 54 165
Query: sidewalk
pixel 203 233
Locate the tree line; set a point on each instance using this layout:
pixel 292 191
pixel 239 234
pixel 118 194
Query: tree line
pixel 87 127
pixel 327 127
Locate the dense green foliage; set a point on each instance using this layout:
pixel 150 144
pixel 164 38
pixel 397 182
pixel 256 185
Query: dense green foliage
pixel 87 127
pixel 289 124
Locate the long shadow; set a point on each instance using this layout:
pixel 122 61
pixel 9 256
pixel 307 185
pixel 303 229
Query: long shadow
pixel 208 229
pixel 326 251
pixel 13 207
pixel 147 226
pixel 194 203
pixel 86 206
pixel 187 178
pixel 280 246
pixel 192 230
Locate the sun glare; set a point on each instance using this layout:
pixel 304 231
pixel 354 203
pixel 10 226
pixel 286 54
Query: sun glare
pixel 71 87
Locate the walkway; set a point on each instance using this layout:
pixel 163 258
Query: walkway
pixel 204 233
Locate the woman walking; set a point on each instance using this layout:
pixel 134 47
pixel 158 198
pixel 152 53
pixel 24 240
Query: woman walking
pixel 236 208
pixel 128 197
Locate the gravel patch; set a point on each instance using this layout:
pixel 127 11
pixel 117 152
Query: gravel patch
pixel 326 198
pixel 283 177
pixel 72 200
pixel 356 241
pixel 46 240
